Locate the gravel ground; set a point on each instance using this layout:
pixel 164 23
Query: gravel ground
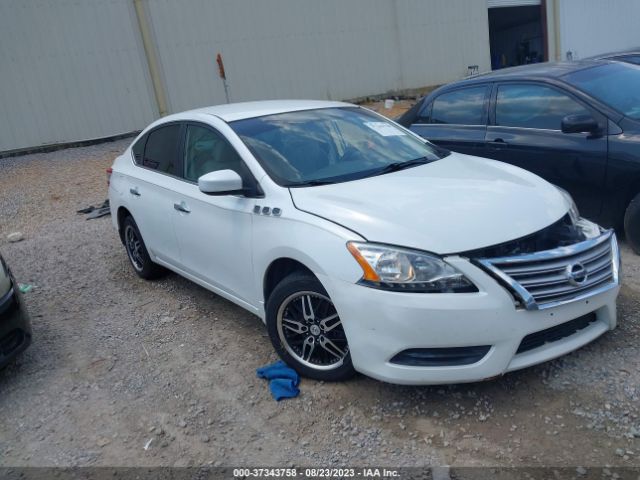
pixel 124 372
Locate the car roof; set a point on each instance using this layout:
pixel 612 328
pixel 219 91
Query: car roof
pixel 533 71
pixel 613 55
pixel 545 69
pixel 243 110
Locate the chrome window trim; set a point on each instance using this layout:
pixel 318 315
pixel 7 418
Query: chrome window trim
pixel 527 299
pixel 530 128
pixel 448 125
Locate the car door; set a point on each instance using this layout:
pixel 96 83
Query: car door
pixel 214 232
pixel 149 192
pixel 456 119
pixel 525 130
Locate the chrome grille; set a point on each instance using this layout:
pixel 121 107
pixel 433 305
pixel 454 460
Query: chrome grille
pixel 553 277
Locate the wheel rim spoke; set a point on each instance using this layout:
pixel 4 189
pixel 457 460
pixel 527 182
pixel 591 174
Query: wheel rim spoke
pixel 308 347
pixel 294 325
pixel 330 322
pixel 331 347
pixel 307 308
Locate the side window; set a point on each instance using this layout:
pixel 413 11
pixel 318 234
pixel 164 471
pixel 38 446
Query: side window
pixel 534 106
pixel 161 150
pixel 460 107
pixel 207 151
pixel 138 149
pixel 423 114
pixel 630 58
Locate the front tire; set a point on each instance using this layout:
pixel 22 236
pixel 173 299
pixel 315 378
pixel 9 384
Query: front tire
pixel 306 331
pixel 632 224
pixel 137 251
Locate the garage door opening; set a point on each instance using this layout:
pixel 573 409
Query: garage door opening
pixel 517 35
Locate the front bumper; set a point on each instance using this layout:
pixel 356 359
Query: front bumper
pixel 381 324
pixel 15 327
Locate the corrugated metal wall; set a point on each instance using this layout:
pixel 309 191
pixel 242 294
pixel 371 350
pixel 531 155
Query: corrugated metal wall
pixel 75 69
pixel 70 70
pixel 589 27
pixel 308 49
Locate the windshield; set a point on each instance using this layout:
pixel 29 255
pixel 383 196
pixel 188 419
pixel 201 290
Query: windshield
pixel 616 84
pixel 331 145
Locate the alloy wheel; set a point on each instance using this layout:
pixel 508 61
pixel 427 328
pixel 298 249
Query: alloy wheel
pixel 134 248
pixel 311 330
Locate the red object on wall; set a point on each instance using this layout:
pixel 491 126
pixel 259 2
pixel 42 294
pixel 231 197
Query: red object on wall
pixel 221 67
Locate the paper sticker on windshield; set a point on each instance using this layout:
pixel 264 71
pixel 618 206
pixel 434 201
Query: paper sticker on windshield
pixel 385 129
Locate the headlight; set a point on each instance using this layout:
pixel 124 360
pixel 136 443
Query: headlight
pixel 399 269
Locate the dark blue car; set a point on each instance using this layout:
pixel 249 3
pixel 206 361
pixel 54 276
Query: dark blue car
pixel 576 124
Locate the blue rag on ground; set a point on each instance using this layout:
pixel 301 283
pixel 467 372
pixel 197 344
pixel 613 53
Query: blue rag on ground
pixel 283 380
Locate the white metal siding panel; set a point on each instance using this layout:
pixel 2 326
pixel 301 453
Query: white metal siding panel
pixel 512 3
pixel 70 70
pixel 591 27
pixel 75 69
pixel 309 49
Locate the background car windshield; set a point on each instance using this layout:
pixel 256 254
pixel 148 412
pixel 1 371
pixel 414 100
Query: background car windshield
pixel 329 145
pixel 616 84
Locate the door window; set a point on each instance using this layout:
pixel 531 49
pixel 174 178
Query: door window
pixel 138 149
pixel 161 150
pixel 460 107
pixel 534 106
pixel 207 151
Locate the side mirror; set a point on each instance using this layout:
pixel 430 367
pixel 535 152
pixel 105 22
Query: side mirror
pixel 221 182
pixel 580 124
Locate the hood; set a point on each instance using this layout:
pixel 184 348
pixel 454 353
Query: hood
pixel 452 205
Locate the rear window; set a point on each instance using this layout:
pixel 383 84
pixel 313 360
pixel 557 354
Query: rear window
pixel 460 107
pixel 615 84
pixel 161 150
pixel 138 149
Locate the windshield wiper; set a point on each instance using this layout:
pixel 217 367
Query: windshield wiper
pixel 397 166
pixel 311 183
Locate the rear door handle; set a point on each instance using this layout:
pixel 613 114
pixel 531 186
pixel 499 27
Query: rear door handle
pixel 181 207
pixel 134 191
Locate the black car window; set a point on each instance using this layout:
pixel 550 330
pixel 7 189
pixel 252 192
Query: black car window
pixel 138 149
pixel 461 107
pixel 617 84
pixel 534 106
pixel 635 59
pixel 207 151
pixel 161 150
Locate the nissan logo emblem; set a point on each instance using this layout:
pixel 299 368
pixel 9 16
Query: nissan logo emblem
pixel 576 273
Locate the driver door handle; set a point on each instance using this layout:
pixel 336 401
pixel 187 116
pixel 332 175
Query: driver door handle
pixel 497 143
pixel 181 207
pixel 134 191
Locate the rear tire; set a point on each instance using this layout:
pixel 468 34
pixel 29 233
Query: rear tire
pixel 306 331
pixel 632 224
pixel 137 252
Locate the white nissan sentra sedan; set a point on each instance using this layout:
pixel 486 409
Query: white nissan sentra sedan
pixel 362 246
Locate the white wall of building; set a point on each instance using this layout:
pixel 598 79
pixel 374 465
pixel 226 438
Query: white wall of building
pixel 591 27
pixel 75 70
pixel 70 70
